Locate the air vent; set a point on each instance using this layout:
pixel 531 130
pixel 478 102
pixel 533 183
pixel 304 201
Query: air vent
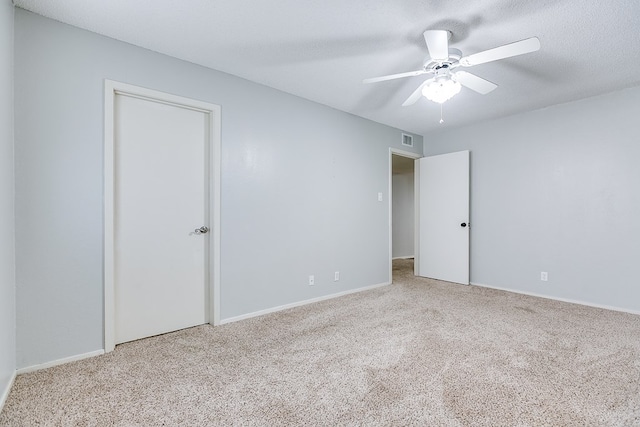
pixel 407 140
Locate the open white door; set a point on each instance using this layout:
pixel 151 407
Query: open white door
pixel 443 227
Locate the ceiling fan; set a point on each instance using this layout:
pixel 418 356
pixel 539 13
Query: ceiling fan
pixel 442 62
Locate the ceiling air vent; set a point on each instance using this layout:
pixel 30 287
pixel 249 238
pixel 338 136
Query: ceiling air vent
pixel 407 140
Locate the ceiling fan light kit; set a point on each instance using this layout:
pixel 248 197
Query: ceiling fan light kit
pixel 443 61
pixel 441 88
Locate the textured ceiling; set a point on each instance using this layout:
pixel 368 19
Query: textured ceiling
pixel 321 50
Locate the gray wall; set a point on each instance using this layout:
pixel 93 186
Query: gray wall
pixel 402 214
pixel 556 190
pixel 7 264
pixel 299 186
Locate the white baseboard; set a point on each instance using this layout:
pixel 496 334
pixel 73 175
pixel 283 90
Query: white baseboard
pixel 571 301
pixel 6 391
pixel 59 362
pixel 300 303
pixel 403 257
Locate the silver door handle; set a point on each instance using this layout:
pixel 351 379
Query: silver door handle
pixel 202 230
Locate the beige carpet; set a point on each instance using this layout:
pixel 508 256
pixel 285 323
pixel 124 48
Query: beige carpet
pixel 419 352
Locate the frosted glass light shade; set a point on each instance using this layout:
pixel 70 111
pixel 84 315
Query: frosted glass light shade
pixel 441 90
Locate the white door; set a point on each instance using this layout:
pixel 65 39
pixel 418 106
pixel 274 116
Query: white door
pixel 443 224
pixel 160 199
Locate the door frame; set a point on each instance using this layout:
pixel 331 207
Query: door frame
pixel 409 155
pixel 212 263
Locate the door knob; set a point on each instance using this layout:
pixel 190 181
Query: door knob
pixel 202 230
pixel 464 224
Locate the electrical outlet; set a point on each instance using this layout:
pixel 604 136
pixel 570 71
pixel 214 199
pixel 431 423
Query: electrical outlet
pixel 336 276
pixel 312 281
pixel 544 276
pixel 379 197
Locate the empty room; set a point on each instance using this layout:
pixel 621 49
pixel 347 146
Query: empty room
pixel 284 213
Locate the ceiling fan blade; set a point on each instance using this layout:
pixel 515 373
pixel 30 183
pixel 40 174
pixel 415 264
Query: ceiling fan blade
pixel 513 49
pixel 474 82
pixel 438 44
pixel 394 76
pixel 413 98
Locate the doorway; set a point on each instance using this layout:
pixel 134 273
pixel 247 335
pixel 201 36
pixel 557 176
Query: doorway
pixel 401 207
pixel 161 213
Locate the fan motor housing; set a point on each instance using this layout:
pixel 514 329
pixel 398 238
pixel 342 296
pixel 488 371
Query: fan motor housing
pixel 451 62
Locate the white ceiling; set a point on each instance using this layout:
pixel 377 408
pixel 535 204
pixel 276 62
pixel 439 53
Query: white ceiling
pixel 321 50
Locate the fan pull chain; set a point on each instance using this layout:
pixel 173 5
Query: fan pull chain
pixel 441 119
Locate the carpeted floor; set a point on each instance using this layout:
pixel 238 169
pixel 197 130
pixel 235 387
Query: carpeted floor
pixel 418 352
